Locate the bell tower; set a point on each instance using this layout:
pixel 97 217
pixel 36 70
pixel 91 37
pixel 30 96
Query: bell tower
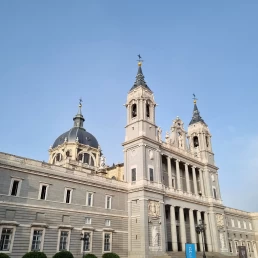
pixel 200 138
pixel 142 170
pixel 140 107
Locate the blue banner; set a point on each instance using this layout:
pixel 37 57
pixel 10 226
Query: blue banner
pixel 190 251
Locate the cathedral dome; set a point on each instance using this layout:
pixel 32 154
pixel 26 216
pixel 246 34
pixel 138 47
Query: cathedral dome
pixel 77 133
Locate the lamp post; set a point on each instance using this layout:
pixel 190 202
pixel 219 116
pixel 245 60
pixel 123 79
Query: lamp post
pixel 200 229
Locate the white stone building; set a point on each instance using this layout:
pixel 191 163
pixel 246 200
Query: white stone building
pixel 148 206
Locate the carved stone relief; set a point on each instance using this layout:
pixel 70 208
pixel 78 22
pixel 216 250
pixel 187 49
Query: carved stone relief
pixel 151 156
pixel 220 220
pixel 154 209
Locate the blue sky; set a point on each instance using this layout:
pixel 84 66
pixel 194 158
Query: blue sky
pixel 54 52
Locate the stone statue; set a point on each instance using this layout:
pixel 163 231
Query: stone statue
pixel 180 141
pixel 102 162
pixel 159 134
pixel 155 236
pixel 173 137
pixel 167 138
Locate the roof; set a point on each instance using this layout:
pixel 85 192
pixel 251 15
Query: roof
pixel 196 116
pixel 84 137
pixel 140 79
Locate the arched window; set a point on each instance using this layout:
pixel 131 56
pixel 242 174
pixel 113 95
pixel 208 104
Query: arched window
pixel 148 110
pixel 195 141
pixel 134 110
pixel 86 158
pixel 113 177
pixel 207 141
pixel 58 157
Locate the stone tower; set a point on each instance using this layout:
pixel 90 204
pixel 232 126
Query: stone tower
pixel 142 168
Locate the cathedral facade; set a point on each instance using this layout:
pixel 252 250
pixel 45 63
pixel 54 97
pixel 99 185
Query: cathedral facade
pixel 147 206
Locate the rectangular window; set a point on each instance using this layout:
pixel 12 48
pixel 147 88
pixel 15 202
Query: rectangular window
pixel 233 223
pixel 214 193
pixel 249 247
pixel 36 240
pixel 108 202
pixel 15 187
pixel 43 192
pixel 151 174
pixel 236 245
pixel 6 239
pixel 68 195
pixel 244 225
pixel 238 223
pixel 107 242
pixel 173 182
pixel 86 242
pixel 133 174
pixel 250 226
pixel 88 220
pixel 107 223
pixel 89 201
pixel 63 243
pixel 230 247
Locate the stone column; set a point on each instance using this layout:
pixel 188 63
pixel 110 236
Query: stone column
pixel 187 178
pixel 207 181
pixel 199 235
pixel 144 226
pixel 163 227
pixel 208 232
pixel 158 167
pixel 218 186
pixel 169 172
pixel 178 175
pixel 192 227
pixel 194 181
pixel 182 227
pixel 201 181
pixel 128 113
pixel 173 228
pixel 129 226
pixel 254 248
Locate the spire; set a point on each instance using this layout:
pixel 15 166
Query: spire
pixel 196 114
pixel 140 77
pixel 79 119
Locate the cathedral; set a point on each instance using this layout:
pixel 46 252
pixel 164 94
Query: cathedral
pixel 149 205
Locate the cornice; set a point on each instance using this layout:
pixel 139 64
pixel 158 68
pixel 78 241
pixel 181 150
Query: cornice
pixel 69 177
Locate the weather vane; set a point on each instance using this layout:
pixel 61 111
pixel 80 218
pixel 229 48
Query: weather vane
pixel 80 101
pixel 139 60
pixel 194 98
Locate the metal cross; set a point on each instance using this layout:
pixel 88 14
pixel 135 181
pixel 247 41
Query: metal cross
pixel 80 101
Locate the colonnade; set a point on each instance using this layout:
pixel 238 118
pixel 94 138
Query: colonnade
pixel 193 221
pixel 186 170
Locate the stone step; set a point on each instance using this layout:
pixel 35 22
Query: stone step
pixel 200 255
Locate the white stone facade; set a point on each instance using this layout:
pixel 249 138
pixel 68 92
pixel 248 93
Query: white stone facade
pixel 167 187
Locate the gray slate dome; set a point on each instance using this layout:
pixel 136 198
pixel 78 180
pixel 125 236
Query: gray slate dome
pixel 84 137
